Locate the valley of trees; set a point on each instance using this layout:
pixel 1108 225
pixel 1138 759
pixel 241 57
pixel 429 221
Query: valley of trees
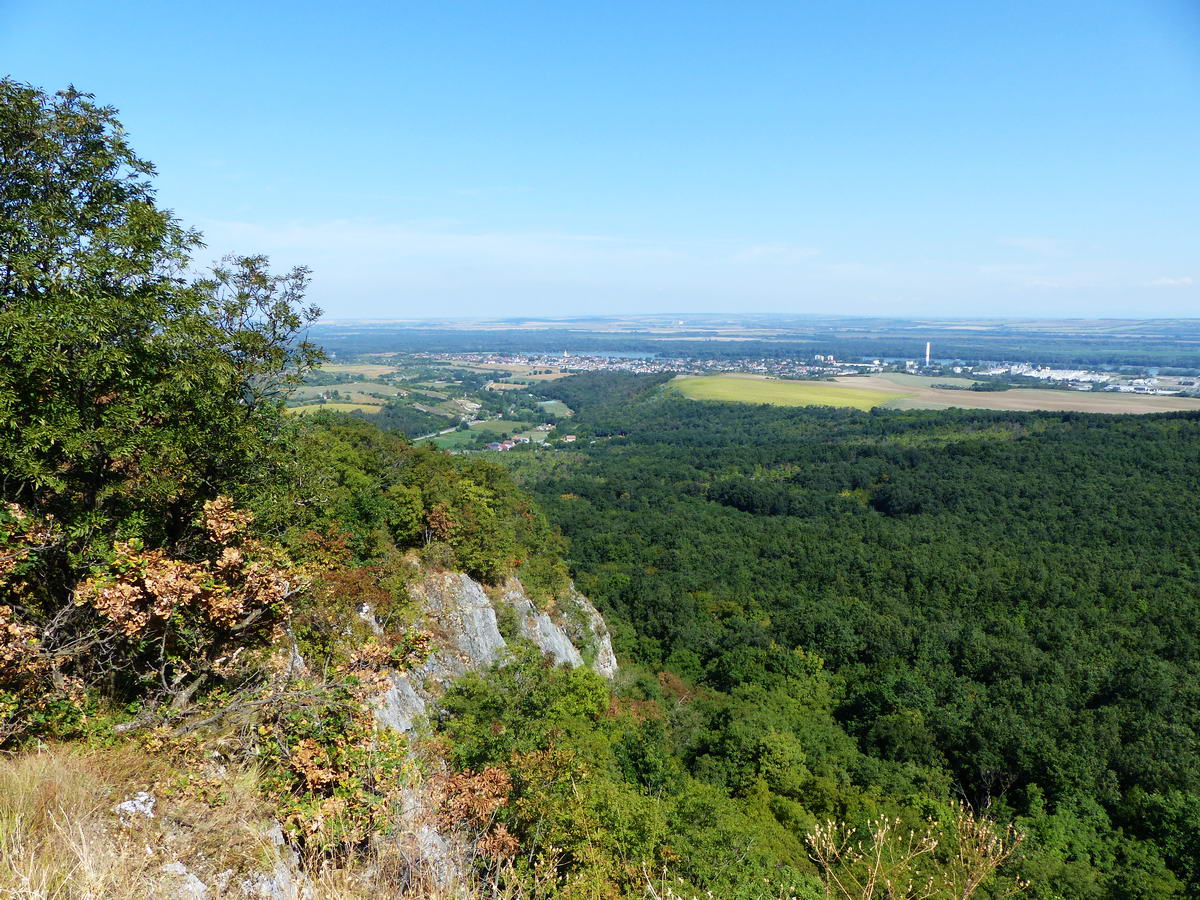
pixel 993 606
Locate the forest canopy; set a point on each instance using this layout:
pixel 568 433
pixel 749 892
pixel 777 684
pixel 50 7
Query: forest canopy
pixel 1005 604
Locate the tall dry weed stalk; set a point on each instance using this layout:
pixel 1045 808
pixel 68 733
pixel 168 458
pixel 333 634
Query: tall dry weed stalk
pixel 890 862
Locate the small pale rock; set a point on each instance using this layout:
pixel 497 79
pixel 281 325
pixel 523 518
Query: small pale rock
pixel 140 804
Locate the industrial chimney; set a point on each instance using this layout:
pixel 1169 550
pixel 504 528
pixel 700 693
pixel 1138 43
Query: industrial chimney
pixel 928 344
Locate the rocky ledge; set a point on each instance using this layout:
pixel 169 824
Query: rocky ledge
pixel 465 622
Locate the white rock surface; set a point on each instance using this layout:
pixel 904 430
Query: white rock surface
pixel 182 884
pixel 285 882
pixel 401 707
pixel 463 621
pixel 140 805
pixel 539 628
pixel 457 611
pixel 605 662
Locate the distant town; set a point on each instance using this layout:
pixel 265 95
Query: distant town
pixel 497 400
pixel 826 366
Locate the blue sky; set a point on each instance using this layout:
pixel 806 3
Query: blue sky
pixel 462 158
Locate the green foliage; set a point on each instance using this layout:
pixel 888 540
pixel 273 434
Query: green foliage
pixel 386 494
pixel 598 785
pixel 1006 603
pixel 129 396
pixel 335 777
pixel 601 388
pixel 401 417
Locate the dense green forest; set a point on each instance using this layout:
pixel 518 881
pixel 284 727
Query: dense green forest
pixel 409 421
pixel 1005 606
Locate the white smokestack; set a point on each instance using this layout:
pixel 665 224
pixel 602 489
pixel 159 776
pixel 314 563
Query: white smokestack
pixel 928 344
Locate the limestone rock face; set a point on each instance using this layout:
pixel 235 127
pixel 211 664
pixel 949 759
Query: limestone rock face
pixel 463 622
pixel 539 628
pixel 286 881
pixel 401 707
pixel 462 618
pixel 589 628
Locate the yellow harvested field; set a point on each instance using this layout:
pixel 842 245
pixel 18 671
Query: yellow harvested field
pixel 757 389
pixel 919 393
pixel 898 391
pixel 370 370
pixel 354 391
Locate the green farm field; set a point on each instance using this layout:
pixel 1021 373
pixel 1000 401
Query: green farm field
pixel 556 407
pixel 456 440
pixel 497 426
pixel 336 407
pixel 752 389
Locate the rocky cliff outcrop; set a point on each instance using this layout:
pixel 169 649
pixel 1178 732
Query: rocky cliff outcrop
pixel 587 629
pixel 471 628
pixel 465 623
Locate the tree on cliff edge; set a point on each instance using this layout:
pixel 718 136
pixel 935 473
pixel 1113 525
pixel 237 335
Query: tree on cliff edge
pixel 131 393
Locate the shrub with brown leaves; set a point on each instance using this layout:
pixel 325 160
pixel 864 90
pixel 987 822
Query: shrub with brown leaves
pixel 195 612
pixel 469 804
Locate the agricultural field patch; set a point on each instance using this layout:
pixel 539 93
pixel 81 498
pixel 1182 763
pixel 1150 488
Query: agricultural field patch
pixel 367 370
pixel 426 392
pixel 750 389
pixel 904 380
pixel 543 376
pixel 497 426
pixel 899 391
pixel 356 391
pixel 556 407
pixel 334 406
pixel 918 395
pixel 455 440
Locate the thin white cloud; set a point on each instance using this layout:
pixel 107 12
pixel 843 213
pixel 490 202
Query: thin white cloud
pixel 1076 281
pixel 1164 281
pixel 1042 246
pixel 776 253
pixel 362 246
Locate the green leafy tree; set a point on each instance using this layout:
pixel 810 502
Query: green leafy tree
pixel 130 393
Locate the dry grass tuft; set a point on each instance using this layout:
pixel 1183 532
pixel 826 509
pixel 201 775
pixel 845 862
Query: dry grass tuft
pixel 58 835
pixel 60 838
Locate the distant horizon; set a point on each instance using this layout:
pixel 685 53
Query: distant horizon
pixel 360 320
